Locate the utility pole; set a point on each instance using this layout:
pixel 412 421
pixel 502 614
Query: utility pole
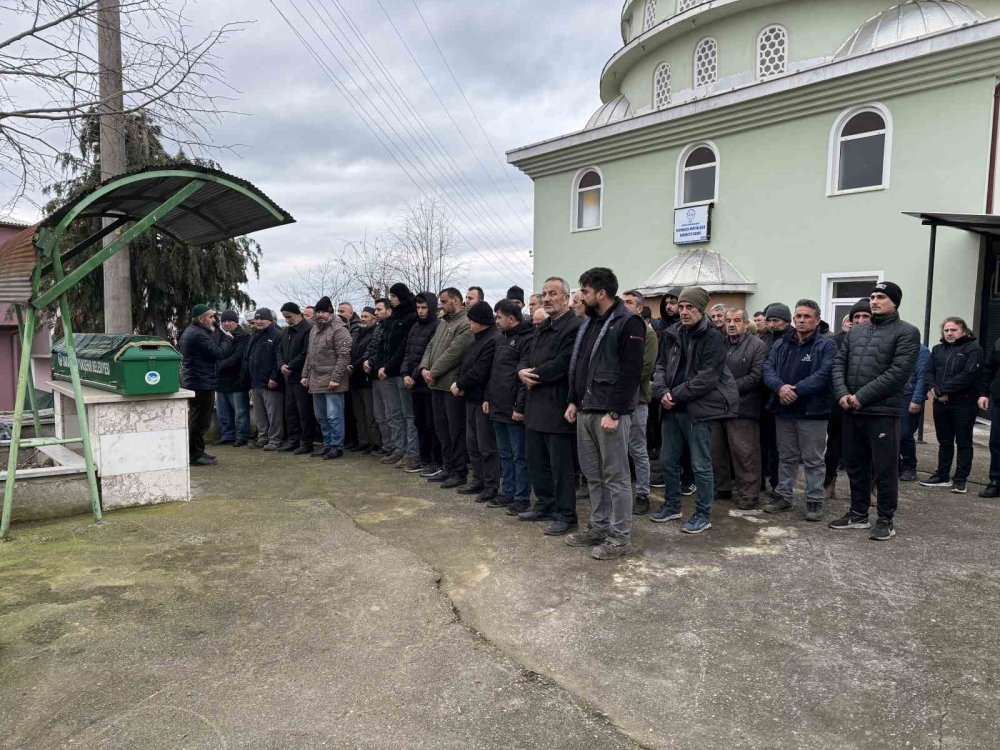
pixel 117 270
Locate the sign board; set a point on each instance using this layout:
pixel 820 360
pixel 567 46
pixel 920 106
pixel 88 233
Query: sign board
pixel 693 224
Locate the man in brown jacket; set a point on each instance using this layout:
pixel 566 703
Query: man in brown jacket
pixel 325 375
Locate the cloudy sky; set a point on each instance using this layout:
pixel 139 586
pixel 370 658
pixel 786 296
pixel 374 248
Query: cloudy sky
pixel 529 69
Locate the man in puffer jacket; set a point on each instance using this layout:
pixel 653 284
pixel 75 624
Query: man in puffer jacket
pixel 262 368
pixel 203 346
pixel 397 329
pixel 325 375
pixel 360 384
pixel 420 336
pixel 874 362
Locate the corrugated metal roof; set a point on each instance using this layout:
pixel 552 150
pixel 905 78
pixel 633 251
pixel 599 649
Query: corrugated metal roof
pixel 17 261
pixel 702 267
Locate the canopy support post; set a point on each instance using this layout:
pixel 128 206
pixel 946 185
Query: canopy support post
pixel 927 315
pixel 32 394
pixel 23 374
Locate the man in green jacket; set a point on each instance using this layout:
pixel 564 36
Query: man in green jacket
pixel 439 368
pixel 637 446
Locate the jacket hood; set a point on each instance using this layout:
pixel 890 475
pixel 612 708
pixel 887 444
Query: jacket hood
pixel 405 307
pixel 431 300
pixel 960 341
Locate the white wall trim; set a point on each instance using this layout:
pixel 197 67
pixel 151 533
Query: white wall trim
pixel 826 287
pixel 575 186
pixel 679 180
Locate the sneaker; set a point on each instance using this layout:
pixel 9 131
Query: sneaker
pixel 641 505
pixel 322 451
pixel 332 454
pixel 378 452
pixel 688 489
pixel 936 480
pixel 271 447
pixel 850 521
pixel 431 471
pixel 452 483
pixel 611 549
pixel 664 514
pixel 413 465
pixel 779 505
pixel 883 531
pixel 958 487
pixel 440 477
pixel 657 483
pixel 302 450
pixel 535 515
pixel 392 458
pixel 990 490
pixel 500 501
pixel 696 524
pixel 518 507
pixel 907 475
pixel 203 461
pixel 559 528
pixel 814 511
pixel 486 494
pixel 589 537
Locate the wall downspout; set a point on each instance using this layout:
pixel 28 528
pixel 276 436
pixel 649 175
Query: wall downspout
pixel 991 176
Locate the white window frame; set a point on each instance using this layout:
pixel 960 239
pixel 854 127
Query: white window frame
pixel 681 171
pixel 694 63
pixel 833 159
pixel 828 302
pixel 648 15
pixel 670 75
pixel 759 75
pixel 574 200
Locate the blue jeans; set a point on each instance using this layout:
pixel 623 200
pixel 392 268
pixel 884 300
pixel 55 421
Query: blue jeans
pixel 514 481
pixel 678 430
pixel 329 409
pixel 233 411
pixel 401 423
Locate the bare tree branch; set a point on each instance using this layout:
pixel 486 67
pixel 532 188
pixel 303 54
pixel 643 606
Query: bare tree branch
pixel 424 242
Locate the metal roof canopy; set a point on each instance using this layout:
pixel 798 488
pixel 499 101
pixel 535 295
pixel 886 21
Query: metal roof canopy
pixel 189 203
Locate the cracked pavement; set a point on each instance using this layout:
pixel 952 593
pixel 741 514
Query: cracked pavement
pixel 300 603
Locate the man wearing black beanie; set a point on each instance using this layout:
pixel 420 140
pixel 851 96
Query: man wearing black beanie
pixel 299 424
pixel 396 330
pixel 869 377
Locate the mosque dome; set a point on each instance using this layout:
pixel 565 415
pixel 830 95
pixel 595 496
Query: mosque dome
pixel 906 21
pixel 700 267
pixel 619 108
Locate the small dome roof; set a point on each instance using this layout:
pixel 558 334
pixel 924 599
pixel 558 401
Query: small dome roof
pixel 704 268
pixel 909 20
pixel 619 108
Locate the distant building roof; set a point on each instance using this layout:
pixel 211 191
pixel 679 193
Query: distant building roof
pixel 702 267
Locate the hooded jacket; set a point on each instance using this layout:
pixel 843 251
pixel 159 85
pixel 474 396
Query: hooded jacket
pixel 359 351
pixel 506 392
pixel 666 320
pixel 916 387
pixel 203 349
pixel 548 353
pixel 709 391
pixel 815 388
pixel 745 359
pixel 421 333
pixel 955 370
pixel 447 349
pixel 392 346
pixel 874 362
pixel 231 368
pixel 474 372
pixel 294 346
pixel 263 359
pixel 328 356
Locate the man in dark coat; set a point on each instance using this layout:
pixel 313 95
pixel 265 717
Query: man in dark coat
pixel 360 385
pixel 779 322
pixel 549 438
pixel 869 377
pixel 203 346
pixel 397 329
pixel 470 384
pixel 505 404
pixel 380 386
pixel 423 415
pixel 262 370
pixel 299 416
pixel 232 399
pixel 345 311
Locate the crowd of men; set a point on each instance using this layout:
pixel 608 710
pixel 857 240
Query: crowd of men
pixel 588 395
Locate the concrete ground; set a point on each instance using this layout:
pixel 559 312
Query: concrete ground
pixel 300 604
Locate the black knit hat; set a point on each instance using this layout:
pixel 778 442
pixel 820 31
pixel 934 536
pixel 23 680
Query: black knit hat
pixel 674 291
pixel 291 307
pixel 401 291
pixel 368 309
pixel 779 311
pixel 517 293
pixel 324 305
pixel 862 305
pixel 264 313
pixel 231 315
pixel 890 290
pixel 482 313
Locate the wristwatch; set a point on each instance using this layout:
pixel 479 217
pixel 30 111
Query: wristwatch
pixel 614 415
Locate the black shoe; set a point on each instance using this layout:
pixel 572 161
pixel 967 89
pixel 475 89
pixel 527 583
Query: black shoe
pixel 440 478
pixel 780 505
pixel 485 495
pixel 749 504
pixel 352 447
pixel 558 528
pixel 688 489
pixel 936 480
pixel 288 447
pixel 361 448
pixel 907 475
pixel 990 490
pixel 534 515
pixel 240 444
pixel 814 511
pixel 883 531
pixel 850 521
pixel 641 505
pixel 657 483
pixel 431 471
pixel 472 488
pixel 454 482
pixel 500 501
pixel 221 442
pixel 378 452
pixel 959 487
pixel 333 453
pixel 302 450
pixel 518 507
pixel 724 495
pixel 322 453
pixel 209 455
pixel 203 461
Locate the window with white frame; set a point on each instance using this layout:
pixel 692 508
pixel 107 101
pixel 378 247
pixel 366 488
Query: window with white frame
pixel 842 290
pixel 698 175
pixel 650 16
pixel 772 52
pixel 588 193
pixel 683 5
pixel 661 86
pixel 706 62
pixel 860 147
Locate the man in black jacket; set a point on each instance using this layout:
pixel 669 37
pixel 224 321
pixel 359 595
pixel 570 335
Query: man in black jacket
pixel 423 413
pixel 203 346
pixel 298 403
pixel 549 438
pixel 360 384
pixel 397 329
pixel 470 385
pixel 232 399
pixel 604 373
pixel 262 371
pixel 869 376
pixel 505 405
pixel 380 388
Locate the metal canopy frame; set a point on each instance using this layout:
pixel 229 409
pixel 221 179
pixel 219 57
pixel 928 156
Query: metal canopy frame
pixel 166 199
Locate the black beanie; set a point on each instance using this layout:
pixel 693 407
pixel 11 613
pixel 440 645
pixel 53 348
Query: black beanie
pixel 516 293
pixel 482 313
pixel 324 305
pixel 402 291
pixel 890 290
pixel 231 315
pixel 779 311
pixel 368 309
pixel 862 305
pixel 291 307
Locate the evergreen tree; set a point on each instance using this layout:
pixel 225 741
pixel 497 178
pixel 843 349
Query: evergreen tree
pixel 168 277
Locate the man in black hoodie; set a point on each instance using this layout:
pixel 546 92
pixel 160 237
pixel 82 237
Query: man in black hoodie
pixel 423 415
pixel 262 370
pixel 232 399
pixel 470 384
pixel 360 384
pixel 604 375
pixel 298 403
pixel 393 348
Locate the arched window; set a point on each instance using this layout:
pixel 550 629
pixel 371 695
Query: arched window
pixel 698 174
pixel 588 199
pixel 683 5
pixel 661 86
pixel 772 52
pixel 860 147
pixel 650 17
pixel 706 63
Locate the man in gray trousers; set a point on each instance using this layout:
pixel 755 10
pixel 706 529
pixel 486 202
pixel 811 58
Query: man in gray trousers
pixel 604 376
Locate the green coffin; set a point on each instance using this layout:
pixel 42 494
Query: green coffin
pixel 126 364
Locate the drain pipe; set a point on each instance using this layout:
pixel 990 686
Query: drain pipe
pixel 991 177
